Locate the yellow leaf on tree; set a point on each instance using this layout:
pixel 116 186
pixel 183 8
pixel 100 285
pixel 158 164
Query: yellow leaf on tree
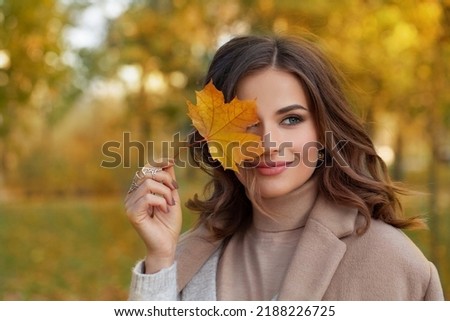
pixel 224 126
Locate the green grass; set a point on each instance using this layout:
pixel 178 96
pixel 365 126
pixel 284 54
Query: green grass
pixel 66 250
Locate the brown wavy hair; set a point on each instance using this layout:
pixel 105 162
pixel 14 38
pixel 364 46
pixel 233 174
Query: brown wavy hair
pixel 357 178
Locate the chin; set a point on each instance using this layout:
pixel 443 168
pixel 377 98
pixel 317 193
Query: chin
pixel 271 191
pixel 271 195
pixel 269 187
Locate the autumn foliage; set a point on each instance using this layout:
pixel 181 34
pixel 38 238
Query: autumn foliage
pixel 224 126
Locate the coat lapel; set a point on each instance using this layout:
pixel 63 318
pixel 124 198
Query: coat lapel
pixel 193 250
pixel 313 265
pixel 319 252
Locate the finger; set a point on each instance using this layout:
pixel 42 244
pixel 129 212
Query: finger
pixel 147 204
pixel 164 174
pixel 164 178
pixel 148 173
pixel 151 211
pixel 150 186
pixel 155 202
pixel 137 180
pixel 171 171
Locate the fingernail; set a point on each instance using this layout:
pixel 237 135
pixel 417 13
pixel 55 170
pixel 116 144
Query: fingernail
pixel 175 184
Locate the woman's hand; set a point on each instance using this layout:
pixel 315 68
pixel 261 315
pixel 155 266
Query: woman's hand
pixel 153 208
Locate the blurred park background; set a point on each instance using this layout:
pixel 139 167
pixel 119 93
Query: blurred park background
pixel 77 74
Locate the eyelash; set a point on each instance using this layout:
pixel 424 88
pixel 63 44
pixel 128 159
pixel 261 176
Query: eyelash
pixel 298 119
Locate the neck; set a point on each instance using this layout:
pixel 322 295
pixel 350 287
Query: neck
pixel 287 212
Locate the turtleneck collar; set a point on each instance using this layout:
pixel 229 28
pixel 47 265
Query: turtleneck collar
pixel 287 212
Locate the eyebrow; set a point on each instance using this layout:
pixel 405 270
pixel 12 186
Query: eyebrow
pixel 290 108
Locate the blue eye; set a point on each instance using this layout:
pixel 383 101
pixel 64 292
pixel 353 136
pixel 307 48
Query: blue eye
pixel 292 120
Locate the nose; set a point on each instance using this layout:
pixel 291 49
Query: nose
pixel 272 140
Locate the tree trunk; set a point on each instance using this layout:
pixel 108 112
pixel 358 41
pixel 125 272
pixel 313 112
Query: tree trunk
pixel 2 171
pixel 397 167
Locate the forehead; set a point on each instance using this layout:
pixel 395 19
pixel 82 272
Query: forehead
pixel 273 89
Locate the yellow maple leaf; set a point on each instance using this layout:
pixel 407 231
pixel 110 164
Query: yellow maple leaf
pixel 224 126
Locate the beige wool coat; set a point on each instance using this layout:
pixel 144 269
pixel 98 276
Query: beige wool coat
pixel 331 261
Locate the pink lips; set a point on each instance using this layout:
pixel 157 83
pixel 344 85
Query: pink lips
pixel 272 168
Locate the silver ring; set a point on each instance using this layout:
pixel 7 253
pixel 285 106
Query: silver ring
pixel 134 186
pixel 150 170
pixel 139 175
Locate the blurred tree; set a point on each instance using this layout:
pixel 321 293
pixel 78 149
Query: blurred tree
pixel 35 83
pixel 160 50
pixel 436 100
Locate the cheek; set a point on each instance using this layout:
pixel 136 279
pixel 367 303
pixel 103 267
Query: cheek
pixel 311 156
pixel 305 136
pixel 306 147
pixel 308 150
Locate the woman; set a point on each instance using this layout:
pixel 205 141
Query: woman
pixel 315 217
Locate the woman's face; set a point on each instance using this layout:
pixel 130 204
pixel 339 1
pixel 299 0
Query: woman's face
pixel 287 127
